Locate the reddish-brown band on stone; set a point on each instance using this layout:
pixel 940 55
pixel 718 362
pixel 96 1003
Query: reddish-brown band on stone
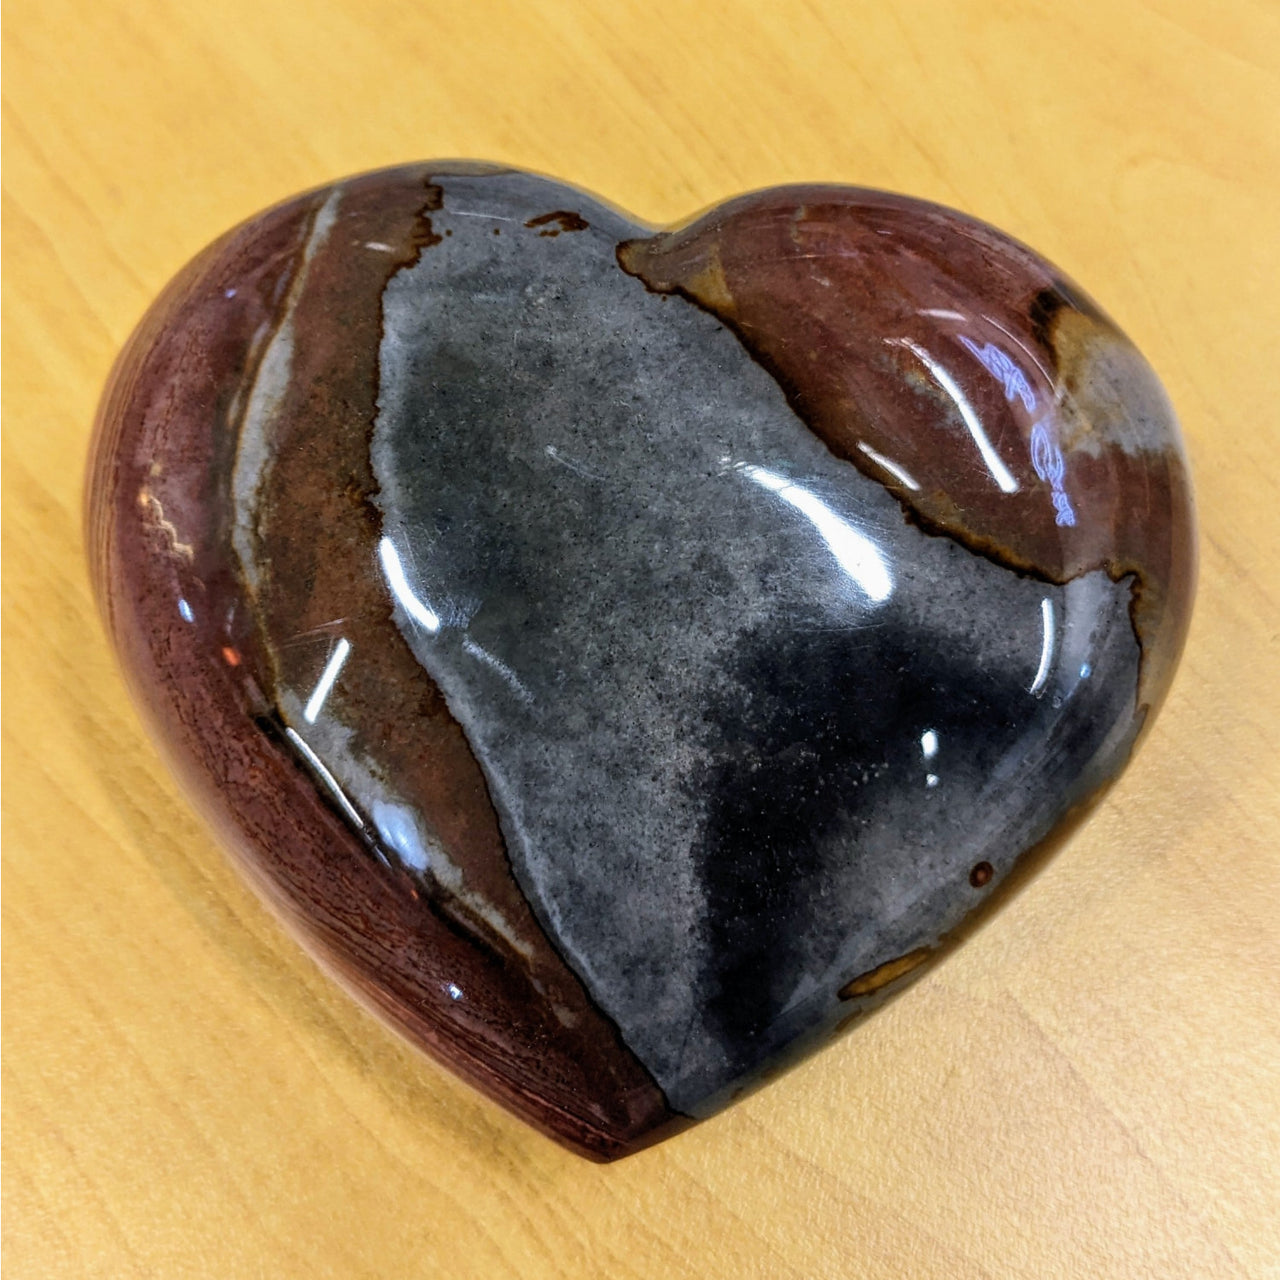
pixel 195 644
pixel 839 292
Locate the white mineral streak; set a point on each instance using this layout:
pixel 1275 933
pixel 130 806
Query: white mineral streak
pixel 253 450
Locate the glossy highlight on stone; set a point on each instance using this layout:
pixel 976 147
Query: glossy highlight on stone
pixel 627 657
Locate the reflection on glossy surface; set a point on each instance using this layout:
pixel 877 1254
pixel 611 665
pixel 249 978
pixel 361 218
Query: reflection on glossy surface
pixel 999 472
pixel 1048 622
pixel 627 656
pixel 393 570
pixel 855 553
pixel 326 681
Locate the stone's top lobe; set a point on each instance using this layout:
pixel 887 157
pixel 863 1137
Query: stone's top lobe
pixel 956 367
pixel 530 600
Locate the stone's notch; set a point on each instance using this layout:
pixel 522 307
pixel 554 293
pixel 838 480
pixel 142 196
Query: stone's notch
pixel 555 655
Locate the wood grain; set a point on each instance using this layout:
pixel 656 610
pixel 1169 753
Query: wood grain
pixel 1091 1087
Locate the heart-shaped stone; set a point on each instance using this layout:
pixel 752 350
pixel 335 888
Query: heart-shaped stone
pixel 628 657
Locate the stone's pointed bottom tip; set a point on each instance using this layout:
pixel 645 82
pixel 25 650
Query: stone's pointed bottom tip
pixel 628 658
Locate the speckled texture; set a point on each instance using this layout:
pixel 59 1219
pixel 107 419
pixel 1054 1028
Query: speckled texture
pixel 719 807
pixel 689 632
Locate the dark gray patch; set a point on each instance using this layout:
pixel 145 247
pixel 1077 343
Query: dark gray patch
pixel 696 655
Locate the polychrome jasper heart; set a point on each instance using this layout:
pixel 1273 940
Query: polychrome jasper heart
pixel 627 657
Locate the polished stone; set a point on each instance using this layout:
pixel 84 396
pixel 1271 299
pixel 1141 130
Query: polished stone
pixel 628 658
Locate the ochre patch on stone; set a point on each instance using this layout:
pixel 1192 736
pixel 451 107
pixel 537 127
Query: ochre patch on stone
pixel 558 221
pixel 882 975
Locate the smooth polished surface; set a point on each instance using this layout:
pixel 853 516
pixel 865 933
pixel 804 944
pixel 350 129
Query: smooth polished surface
pixel 1086 1086
pixel 577 571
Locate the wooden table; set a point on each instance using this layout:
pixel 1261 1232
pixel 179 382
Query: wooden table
pixel 1090 1088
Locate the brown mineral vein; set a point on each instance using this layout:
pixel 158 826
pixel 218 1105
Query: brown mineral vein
pixel 498 1004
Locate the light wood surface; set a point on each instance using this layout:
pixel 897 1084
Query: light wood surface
pixel 1090 1088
